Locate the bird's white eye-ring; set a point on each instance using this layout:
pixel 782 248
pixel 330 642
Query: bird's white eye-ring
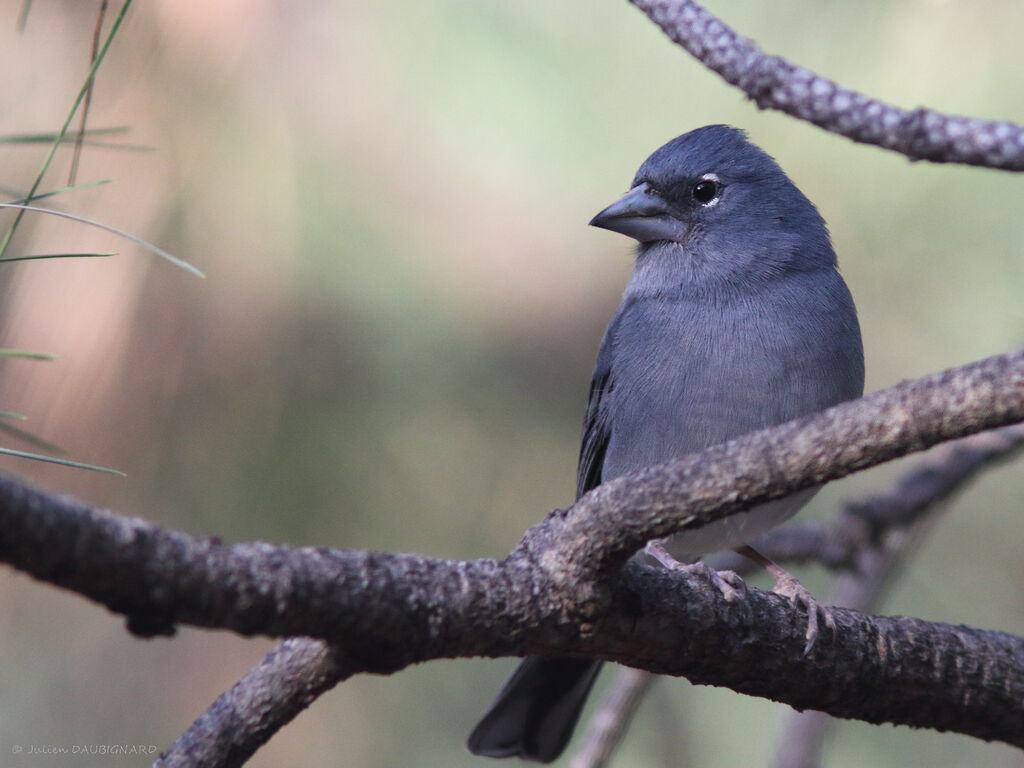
pixel 707 190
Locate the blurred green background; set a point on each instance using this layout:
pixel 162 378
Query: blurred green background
pixel 393 344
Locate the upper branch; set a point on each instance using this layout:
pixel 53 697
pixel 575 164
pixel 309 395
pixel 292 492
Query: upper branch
pixel 774 83
pixel 863 525
pixel 613 521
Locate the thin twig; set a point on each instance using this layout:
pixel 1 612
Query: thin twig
pixel 609 724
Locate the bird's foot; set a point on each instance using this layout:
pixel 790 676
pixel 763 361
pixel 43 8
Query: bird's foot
pixel 728 583
pixel 787 586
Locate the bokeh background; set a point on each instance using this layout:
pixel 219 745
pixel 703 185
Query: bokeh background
pixel 393 344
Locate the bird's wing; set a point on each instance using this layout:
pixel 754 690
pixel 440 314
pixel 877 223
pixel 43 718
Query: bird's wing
pixel 597 428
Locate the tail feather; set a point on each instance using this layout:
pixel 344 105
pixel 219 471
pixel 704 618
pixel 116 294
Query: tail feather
pixel 536 712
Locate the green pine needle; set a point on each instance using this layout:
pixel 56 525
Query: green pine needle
pixel 63 462
pixel 23 16
pixel 28 437
pixel 72 137
pixel 83 91
pixel 119 232
pixel 57 256
pixel 28 355
pixel 61 191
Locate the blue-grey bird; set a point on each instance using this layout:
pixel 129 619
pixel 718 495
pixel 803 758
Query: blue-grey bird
pixel 735 318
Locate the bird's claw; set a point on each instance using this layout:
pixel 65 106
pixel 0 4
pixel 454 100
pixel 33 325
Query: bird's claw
pixel 728 583
pixel 788 587
pixel 733 588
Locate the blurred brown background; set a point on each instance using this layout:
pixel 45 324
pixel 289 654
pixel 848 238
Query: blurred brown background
pixel 393 344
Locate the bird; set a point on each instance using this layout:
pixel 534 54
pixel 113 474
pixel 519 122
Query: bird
pixel 734 318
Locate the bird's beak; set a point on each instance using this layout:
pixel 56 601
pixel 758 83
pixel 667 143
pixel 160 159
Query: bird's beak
pixel 641 214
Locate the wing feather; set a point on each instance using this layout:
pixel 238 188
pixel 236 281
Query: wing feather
pixel 597 426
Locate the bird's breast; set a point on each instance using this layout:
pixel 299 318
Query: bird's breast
pixel 689 375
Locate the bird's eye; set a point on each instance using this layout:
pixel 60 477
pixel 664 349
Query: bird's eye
pixel 706 190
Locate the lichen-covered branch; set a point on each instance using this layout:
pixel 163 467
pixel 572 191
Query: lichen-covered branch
pixel 774 83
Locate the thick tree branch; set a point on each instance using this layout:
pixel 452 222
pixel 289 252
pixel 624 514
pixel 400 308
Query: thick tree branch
pixel 847 544
pixel 865 523
pixel 614 520
pixel 159 578
pixel 561 591
pixel 865 544
pixel 774 83
pixel 897 669
pixel 893 524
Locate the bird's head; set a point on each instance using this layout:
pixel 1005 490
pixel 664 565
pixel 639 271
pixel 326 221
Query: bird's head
pixel 709 205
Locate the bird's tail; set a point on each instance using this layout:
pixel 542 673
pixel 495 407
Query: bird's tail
pixel 536 712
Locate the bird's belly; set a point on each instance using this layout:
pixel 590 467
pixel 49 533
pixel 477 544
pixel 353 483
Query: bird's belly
pixel 655 427
pixel 735 530
pixel 658 428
